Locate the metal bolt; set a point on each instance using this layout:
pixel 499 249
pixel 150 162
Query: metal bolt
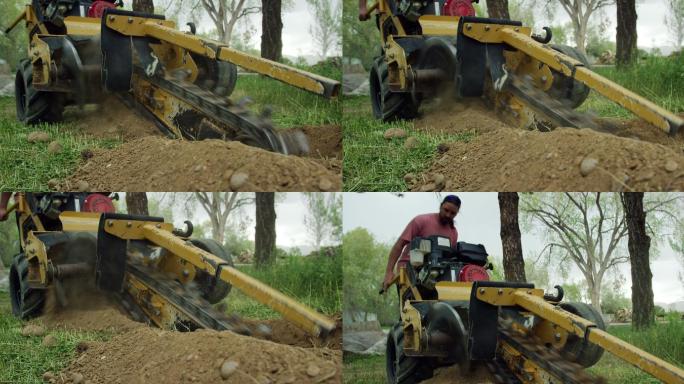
pixel 544 78
pixel 186 273
pixel 129 224
pixel 158 225
pixel 110 223
pixel 469 26
pixel 487 28
pixel 529 292
pixel 517 29
pixel 500 291
pixel 557 336
pixel 111 18
pixel 482 291
pixel 130 20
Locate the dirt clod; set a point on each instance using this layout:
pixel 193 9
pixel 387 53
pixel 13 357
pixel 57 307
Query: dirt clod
pixel 33 330
pixel 411 143
pixel 76 378
pixel 53 183
pixel 237 180
pixel 55 147
pixel 81 186
pixel 325 185
pixel 393 133
pixel 588 165
pixel 228 368
pixel 47 376
pixel 38 137
pixel 313 370
pixel 671 165
pixel 49 341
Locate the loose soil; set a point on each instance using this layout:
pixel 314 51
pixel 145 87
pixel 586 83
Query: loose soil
pixel 636 156
pixel 149 161
pixel 140 354
pixel 158 164
pixel 452 374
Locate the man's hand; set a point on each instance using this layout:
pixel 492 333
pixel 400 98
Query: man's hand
pixel 3 214
pixel 388 281
pixel 363 10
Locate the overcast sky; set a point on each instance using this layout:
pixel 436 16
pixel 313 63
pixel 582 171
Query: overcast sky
pixel 290 212
pixel 385 216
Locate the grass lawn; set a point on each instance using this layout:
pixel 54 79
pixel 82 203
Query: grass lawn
pixel 29 166
pixel 24 359
pixel 372 163
pixel 665 341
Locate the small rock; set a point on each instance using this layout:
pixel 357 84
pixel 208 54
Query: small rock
pixel 76 378
pixel 38 137
pixel 227 174
pixel 55 147
pixel 313 370
pixel 33 330
pixel 82 346
pixel 587 165
pixel 263 379
pixel 237 180
pixel 411 143
pixel 429 187
pixel 228 368
pixel 409 178
pixel 548 156
pixel 47 376
pixel 49 341
pixel 394 133
pixel 648 175
pixel 324 184
pixel 53 184
pixel 439 180
pixel 671 165
pixel 618 184
pixel 87 154
pixel 81 186
pixel 288 379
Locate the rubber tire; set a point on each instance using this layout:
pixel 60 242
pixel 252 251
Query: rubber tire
pixel 558 90
pixel 34 107
pixel 402 369
pixel 212 290
pixel 584 354
pixel 220 74
pixel 26 302
pixel 388 105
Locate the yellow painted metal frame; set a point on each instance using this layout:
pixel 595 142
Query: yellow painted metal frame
pixel 160 234
pixel 82 26
pixel 80 221
pixel 164 30
pixel 585 329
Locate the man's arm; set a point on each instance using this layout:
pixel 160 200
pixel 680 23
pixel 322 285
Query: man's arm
pixel 394 255
pixel 363 10
pixel 4 199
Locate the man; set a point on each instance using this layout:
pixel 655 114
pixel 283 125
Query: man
pixel 441 223
pixel 4 201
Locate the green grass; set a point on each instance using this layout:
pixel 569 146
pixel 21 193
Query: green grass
pixel 665 340
pixel 291 106
pixel 314 280
pixel 371 162
pixel 23 359
pixel 29 166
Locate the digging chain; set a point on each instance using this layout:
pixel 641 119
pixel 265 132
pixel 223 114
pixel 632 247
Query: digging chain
pixel 549 359
pixel 191 304
pixel 235 121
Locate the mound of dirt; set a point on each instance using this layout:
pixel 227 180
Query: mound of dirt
pixel 561 160
pixel 468 116
pixel 452 374
pixel 159 164
pixel 325 145
pixel 147 355
pixel 284 332
pixel 100 318
pixel 111 119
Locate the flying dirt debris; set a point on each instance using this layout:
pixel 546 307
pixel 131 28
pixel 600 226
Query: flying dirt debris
pixel 451 314
pixel 81 50
pixel 430 50
pixel 81 256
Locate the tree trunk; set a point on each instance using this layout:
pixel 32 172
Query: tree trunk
pixel 639 244
pixel 498 9
pixel 513 263
pixel 146 6
pixel 265 239
pixel 136 203
pixel 626 32
pixel 272 28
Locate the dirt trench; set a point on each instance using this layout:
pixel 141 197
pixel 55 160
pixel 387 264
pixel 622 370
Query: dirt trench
pixel 148 160
pixel 635 156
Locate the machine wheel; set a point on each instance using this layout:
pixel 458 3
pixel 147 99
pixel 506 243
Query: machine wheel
pixel 388 105
pixel 585 354
pixel 402 369
pixel 212 290
pixel 561 83
pixel 216 76
pixel 26 302
pixel 34 106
